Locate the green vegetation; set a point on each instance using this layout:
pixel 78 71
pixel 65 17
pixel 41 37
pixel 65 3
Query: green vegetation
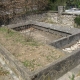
pixel 72 77
pixel 73 3
pixel 32 53
pixel 35 6
pixel 77 21
pixel 5 31
pixel 3 72
pixel 30 64
pixel 17 37
pixel 53 4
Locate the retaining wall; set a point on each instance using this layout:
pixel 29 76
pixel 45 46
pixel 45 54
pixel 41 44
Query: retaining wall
pixel 48 17
pixel 66 40
pixel 58 68
pixel 51 71
pixel 62 19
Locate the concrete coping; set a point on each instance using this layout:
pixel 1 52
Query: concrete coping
pixel 56 62
pixel 57 68
pixel 47 25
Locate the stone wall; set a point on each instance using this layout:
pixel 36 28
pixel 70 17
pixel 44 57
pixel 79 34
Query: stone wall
pixel 57 69
pixel 66 40
pixel 49 72
pixel 61 20
pixel 48 17
pixel 67 20
pixel 32 17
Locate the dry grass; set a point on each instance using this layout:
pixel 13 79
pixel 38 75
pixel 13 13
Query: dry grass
pixel 32 54
pixel 3 72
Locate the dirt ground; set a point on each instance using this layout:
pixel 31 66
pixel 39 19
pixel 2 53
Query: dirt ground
pixel 33 54
pixel 41 36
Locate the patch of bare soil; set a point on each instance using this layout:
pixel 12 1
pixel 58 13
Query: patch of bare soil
pixel 32 54
pixel 41 36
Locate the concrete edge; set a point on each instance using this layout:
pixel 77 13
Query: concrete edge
pixel 46 25
pixel 16 66
pixel 65 40
pixel 59 67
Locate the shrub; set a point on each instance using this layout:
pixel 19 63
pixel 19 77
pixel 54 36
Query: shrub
pixel 77 20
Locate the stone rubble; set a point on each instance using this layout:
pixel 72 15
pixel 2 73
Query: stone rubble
pixel 73 47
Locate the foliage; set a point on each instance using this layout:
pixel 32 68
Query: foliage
pixel 17 8
pixel 72 77
pixel 18 38
pixel 30 64
pixel 53 4
pixel 73 3
pixel 77 20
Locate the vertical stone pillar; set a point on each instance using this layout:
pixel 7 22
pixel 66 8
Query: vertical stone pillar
pixel 60 11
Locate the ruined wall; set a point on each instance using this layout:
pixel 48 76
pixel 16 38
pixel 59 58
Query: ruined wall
pixel 57 69
pixel 16 8
pixel 49 17
pixel 61 20
pixel 49 72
